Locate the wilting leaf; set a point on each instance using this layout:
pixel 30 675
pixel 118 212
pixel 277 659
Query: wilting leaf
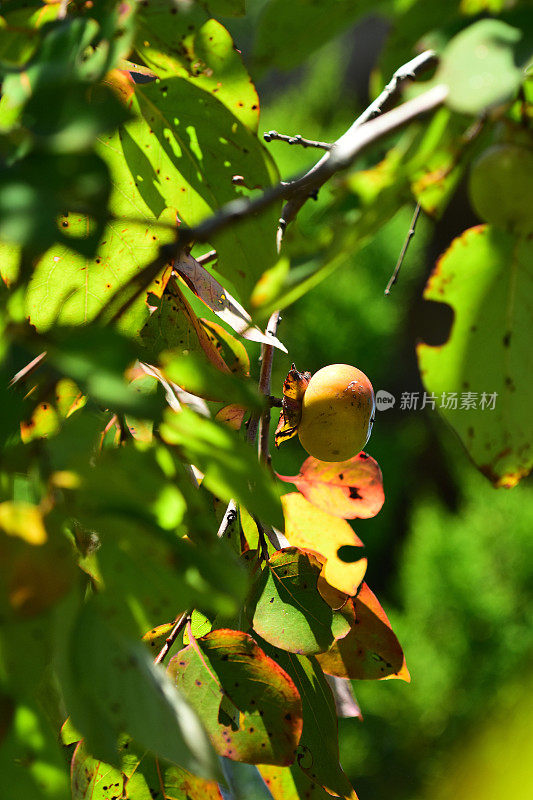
pixel 345 702
pixel 125 692
pixel 481 377
pixel 479 67
pixel 231 350
pixel 219 300
pixel 229 465
pixel 174 325
pixel 318 751
pixel 248 703
pixel 350 489
pixel 232 416
pixel 175 38
pixel 288 610
pixel 371 650
pixel 309 528
pixel 294 387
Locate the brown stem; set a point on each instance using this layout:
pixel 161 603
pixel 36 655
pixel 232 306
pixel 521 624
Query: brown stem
pixel 173 635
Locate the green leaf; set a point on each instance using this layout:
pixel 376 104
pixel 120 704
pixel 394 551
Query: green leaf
pixel 35 191
pixel 291 783
pixel 289 32
pixel 69 288
pixel 247 702
pixel 112 686
pixel 96 358
pixel 485 276
pixel 139 778
pixel 318 751
pixel 288 610
pixel 228 8
pixel 478 66
pixel 201 378
pixel 230 467
pixel 19 25
pixel 183 150
pixel 181 40
pixel 31 762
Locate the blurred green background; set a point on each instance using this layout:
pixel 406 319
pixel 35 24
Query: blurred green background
pixel 450 558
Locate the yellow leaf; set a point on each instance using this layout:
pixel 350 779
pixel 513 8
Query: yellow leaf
pixel 309 528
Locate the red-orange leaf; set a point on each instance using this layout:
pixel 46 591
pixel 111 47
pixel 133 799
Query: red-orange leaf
pixel 350 489
pixel 294 388
pixel 371 650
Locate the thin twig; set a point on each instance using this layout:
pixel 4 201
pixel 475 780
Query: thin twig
pixel 274 136
pixel 265 379
pixel 261 538
pixel 410 234
pixel 173 635
pixel 348 147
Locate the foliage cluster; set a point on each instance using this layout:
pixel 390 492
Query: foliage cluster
pixel 129 318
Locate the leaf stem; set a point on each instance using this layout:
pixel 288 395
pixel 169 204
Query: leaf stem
pixel 181 622
pixel 410 234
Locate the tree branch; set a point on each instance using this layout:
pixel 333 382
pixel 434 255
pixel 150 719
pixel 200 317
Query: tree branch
pixel 173 635
pixel 274 136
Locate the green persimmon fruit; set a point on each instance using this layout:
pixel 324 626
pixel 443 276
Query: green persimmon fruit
pixel 337 413
pixel 501 187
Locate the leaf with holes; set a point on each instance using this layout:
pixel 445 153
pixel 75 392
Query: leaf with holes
pixel 287 609
pixel 309 528
pixel 219 300
pixel 183 149
pixel 318 751
pixel 371 650
pixel 247 702
pixel 180 39
pixel 481 377
pixel 350 489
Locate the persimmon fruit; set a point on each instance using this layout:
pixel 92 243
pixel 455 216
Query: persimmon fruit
pixel 337 413
pixel 501 187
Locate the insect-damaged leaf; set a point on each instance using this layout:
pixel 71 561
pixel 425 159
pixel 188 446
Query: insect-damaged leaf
pixel 318 752
pixel 309 528
pixel 247 702
pixel 482 375
pixel 184 147
pixel 139 778
pixel 174 325
pixel 350 489
pixel 179 39
pixel 124 691
pixel 219 300
pixel 294 387
pixel 287 609
pixel 371 650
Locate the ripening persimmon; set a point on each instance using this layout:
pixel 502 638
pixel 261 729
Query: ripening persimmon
pixel 337 413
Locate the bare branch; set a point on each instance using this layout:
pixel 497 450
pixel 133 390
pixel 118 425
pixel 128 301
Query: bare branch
pixel 265 386
pixel 410 234
pixel 274 136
